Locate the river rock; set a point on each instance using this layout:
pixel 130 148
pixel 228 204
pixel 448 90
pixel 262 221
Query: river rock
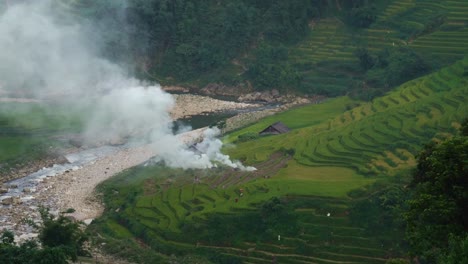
pixel 11 200
pixel 27 198
pixel 3 190
pixel 265 96
pixel 7 200
pixel 29 190
pixel 224 90
pixel 25 237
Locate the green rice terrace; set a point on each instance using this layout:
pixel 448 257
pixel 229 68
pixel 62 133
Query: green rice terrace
pixel 337 154
pixel 436 30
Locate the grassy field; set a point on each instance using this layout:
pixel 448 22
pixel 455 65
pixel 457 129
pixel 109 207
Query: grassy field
pixel 333 149
pixel 28 130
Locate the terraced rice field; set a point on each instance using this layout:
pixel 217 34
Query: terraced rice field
pixel 334 148
pixel 326 237
pixel 338 146
pixel 326 60
pixel 379 137
pixel 445 42
pixel 325 43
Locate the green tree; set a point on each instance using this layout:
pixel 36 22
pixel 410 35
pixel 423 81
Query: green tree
pixel 395 66
pixel 439 206
pixel 270 69
pixel 362 17
pixel 457 251
pixel 62 232
pixel 287 21
pixel 365 58
pixel 278 217
pixel 62 240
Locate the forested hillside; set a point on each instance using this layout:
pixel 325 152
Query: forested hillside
pixel 310 46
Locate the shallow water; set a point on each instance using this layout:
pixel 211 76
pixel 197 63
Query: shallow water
pixel 76 161
pixel 210 119
pixel 81 158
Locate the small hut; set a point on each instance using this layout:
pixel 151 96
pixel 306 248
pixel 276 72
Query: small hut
pixel 275 129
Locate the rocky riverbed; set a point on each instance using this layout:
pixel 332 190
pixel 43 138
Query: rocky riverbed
pixel 73 187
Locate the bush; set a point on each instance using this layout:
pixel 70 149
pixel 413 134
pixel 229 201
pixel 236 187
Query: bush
pixel 362 17
pixel 395 66
pixel 247 136
pixel 62 240
pixel 289 152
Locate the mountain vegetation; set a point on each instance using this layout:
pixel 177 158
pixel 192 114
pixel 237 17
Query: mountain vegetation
pixel 60 240
pixel 306 46
pixel 376 174
pixel 337 188
pixel 437 215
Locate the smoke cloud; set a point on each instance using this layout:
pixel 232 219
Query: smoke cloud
pixel 46 57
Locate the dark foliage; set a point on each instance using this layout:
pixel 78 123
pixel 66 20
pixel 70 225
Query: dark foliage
pixel 185 38
pixel 439 206
pixel 62 240
pixel 62 232
pixel 395 66
pixel 273 217
pixel 362 17
pixel 365 58
pixel 388 68
pixel 270 69
pixel 247 137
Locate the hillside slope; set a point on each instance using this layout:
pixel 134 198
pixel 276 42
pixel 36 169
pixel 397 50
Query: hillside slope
pixel 212 213
pixel 323 55
pixel 378 137
pixel 436 30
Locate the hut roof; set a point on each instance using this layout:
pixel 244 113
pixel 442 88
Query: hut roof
pixel 276 128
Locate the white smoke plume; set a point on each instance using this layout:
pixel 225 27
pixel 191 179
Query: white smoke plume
pixel 43 56
pixel 205 154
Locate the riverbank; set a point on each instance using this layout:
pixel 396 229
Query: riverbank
pixel 72 189
pixel 75 188
pixel 186 105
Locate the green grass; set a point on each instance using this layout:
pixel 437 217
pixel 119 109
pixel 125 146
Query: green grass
pixel 339 146
pixel 367 137
pixel 301 117
pixel 13 147
pixel 29 130
pixel 320 181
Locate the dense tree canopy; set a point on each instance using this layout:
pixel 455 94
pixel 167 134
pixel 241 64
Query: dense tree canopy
pixel 439 206
pixel 184 38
